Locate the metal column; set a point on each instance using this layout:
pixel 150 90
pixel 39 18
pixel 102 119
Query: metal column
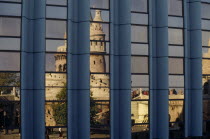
pixel 120 69
pixel 194 69
pixel 159 121
pixel 78 71
pixel 33 69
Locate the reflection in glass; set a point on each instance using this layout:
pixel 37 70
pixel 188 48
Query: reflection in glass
pixel 206 116
pixel 176 118
pixel 139 112
pixel 99 63
pixel 139 93
pixel 176 51
pixel 56 113
pixel 56 133
pixel 55 93
pixel 56 12
pixel 104 4
pixel 56 2
pixel 9 61
pixel 176 111
pixel 175 36
pixel 12 0
pixel 99 93
pixel 99 83
pixel 139 34
pixel 104 15
pixel 206 52
pixel 99 28
pixel 137 18
pixel 176 81
pixel 9 26
pixel 206 24
pixel 10 93
pixel 205 10
pixel 56 46
pixel 55 79
pixel 205 38
pixel 176 66
pixel 55 29
pixel 10 9
pixel 175 21
pixel 56 62
pixel 140 131
pixel 176 93
pixel 206 87
pixel 9 117
pixel 139 49
pixel 206 66
pixel 99 118
pixel 139 81
pixel 206 104
pixel 139 64
pixel 139 5
pixel 175 7
pixel 9 44
pixel 9 79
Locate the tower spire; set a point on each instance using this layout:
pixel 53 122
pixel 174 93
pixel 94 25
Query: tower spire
pixel 97 16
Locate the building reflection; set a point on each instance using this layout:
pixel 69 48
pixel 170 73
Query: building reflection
pixel 99 83
pixel 206 89
pixel 9 103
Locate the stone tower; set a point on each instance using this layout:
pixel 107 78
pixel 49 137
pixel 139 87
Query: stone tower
pixel 206 83
pixel 60 59
pixel 97 45
pixel 99 83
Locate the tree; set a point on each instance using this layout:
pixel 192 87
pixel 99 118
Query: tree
pixel 9 79
pixel 60 109
pixel 93 110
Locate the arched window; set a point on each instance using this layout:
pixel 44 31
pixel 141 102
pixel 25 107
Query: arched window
pixel 60 68
pixel 64 67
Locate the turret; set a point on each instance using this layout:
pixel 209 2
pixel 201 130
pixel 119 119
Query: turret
pixel 97 44
pixel 96 34
pixel 60 58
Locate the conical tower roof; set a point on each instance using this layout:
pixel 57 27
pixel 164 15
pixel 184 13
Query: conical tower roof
pixel 97 28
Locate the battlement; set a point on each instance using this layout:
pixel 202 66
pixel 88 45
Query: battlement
pixel 62 48
pixel 97 47
pixel 53 79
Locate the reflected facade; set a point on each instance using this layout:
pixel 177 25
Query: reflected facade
pixel 10 54
pixel 139 69
pixel 205 66
pixel 176 68
pixel 59 64
pixel 99 69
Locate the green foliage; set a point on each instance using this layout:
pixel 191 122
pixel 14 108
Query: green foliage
pixel 93 111
pixel 60 109
pixel 60 113
pixel 9 79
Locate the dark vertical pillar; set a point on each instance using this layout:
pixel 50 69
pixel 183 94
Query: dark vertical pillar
pixel 159 121
pixel 78 69
pixel 120 69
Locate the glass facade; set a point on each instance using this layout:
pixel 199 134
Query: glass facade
pixel 104 69
pixel 205 62
pixel 139 69
pixel 10 69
